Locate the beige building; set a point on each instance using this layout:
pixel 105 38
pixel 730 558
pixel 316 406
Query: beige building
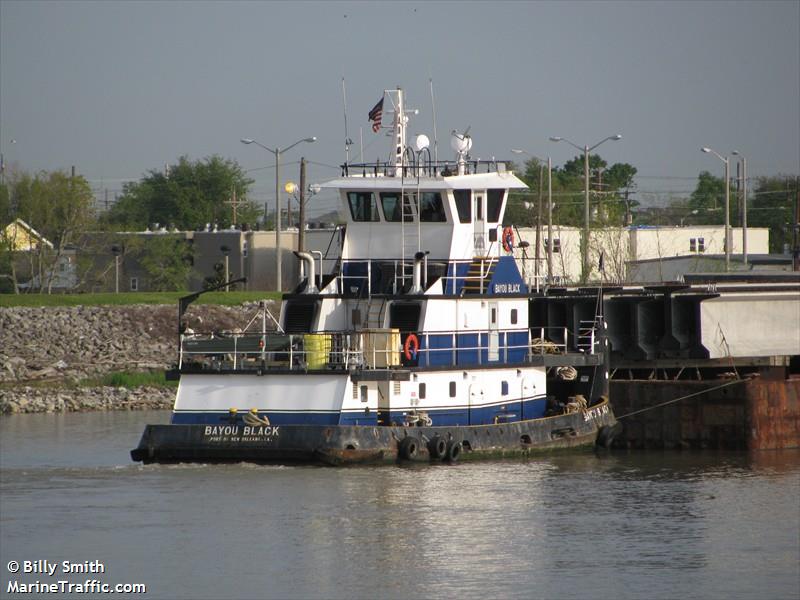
pixel 249 254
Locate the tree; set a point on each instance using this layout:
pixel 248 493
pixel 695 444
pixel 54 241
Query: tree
pixel 522 206
pixel 706 205
pixel 168 262
pixel 188 196
pixel 771 204
pixel 58 206
pixel 8 275
pixel 619 177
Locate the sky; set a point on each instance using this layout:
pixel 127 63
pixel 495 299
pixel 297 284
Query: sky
pixel 121 88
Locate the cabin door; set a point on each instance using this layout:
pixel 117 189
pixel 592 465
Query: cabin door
pixel 527 391
pixel 494 334
pixel 475 403
pixel 479 222
pixel 384 404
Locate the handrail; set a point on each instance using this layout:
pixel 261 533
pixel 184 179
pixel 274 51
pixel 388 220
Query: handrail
pixel 372 348
pixel 400 277
pixel 442 168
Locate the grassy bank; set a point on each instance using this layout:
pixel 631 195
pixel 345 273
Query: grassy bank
pixel 223 298
pixel 130 380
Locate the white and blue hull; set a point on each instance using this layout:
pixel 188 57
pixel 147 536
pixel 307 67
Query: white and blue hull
pixel 447 397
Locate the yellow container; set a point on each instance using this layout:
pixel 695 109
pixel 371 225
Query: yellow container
pixel 381 347
pixel 317 347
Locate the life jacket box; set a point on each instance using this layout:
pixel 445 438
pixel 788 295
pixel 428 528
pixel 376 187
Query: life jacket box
pixel 381 347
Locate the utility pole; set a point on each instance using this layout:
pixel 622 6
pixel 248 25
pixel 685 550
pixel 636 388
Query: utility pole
pixel 586 149
pixel 234 202
pixel 585 269
pixel 301 234
pixel 796 228
pixel 743 206
pixel 549 221
pixel 538 224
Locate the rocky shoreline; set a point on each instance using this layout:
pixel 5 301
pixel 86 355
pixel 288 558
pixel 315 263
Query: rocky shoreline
pixel 53 399
pixel 46 351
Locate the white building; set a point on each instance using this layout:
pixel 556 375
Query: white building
pixel 621 245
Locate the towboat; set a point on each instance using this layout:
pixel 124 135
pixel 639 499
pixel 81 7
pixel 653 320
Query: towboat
pixel 423 343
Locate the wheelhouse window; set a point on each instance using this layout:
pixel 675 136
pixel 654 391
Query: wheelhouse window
pixel 494 202
pixel 363 206
pixel 462 205
pixel 392 211
pixel 431 209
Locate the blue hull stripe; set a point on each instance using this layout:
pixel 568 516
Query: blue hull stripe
pixel 449 416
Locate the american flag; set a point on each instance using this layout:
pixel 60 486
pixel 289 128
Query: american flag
pixel 375 116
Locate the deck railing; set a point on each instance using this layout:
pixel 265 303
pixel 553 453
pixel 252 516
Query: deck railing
pixel 368 349
pixel 358 277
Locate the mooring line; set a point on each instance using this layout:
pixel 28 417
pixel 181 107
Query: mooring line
pixel 719 387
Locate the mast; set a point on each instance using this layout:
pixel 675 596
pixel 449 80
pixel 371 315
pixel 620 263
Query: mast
pixel 400 122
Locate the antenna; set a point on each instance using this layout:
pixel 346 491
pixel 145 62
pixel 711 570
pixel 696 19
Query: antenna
pixel 435 139
pixel 347 141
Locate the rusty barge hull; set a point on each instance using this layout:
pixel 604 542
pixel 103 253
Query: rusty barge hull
pixel 354 444
pixel 757 414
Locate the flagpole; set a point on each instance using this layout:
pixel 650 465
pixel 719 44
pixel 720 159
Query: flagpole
pixel 346 139
pixel 435 140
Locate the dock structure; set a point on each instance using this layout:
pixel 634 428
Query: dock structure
pixel 697 365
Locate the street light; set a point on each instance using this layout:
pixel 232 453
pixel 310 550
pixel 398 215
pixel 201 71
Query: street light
pixel 549 215
pixel 277 153
pixel 226 252
pixel 725 160
pixel 116 251
pixel 744 205
pixel 585 149
pixel 291 189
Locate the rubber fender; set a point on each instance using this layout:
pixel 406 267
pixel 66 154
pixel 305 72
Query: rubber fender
pixel 453 451
pixel 437 447
pixel 408 447
pixel 607 433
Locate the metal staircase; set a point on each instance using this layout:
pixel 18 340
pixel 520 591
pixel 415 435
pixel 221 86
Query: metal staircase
pixel 480 273
pixel 376 312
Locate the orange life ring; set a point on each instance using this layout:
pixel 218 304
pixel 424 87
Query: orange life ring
pixel 508 239
pixel 411 347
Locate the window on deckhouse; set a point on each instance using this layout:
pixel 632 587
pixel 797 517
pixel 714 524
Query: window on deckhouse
pixel 431 209
pixel 363 206
pixel 462 205
pixel 392 211
pixel 494 202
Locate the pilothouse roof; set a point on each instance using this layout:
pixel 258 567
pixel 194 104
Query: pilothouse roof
pixel 494 180
pixel 409 166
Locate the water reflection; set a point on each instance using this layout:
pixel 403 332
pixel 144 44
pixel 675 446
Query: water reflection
pixel 647 524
